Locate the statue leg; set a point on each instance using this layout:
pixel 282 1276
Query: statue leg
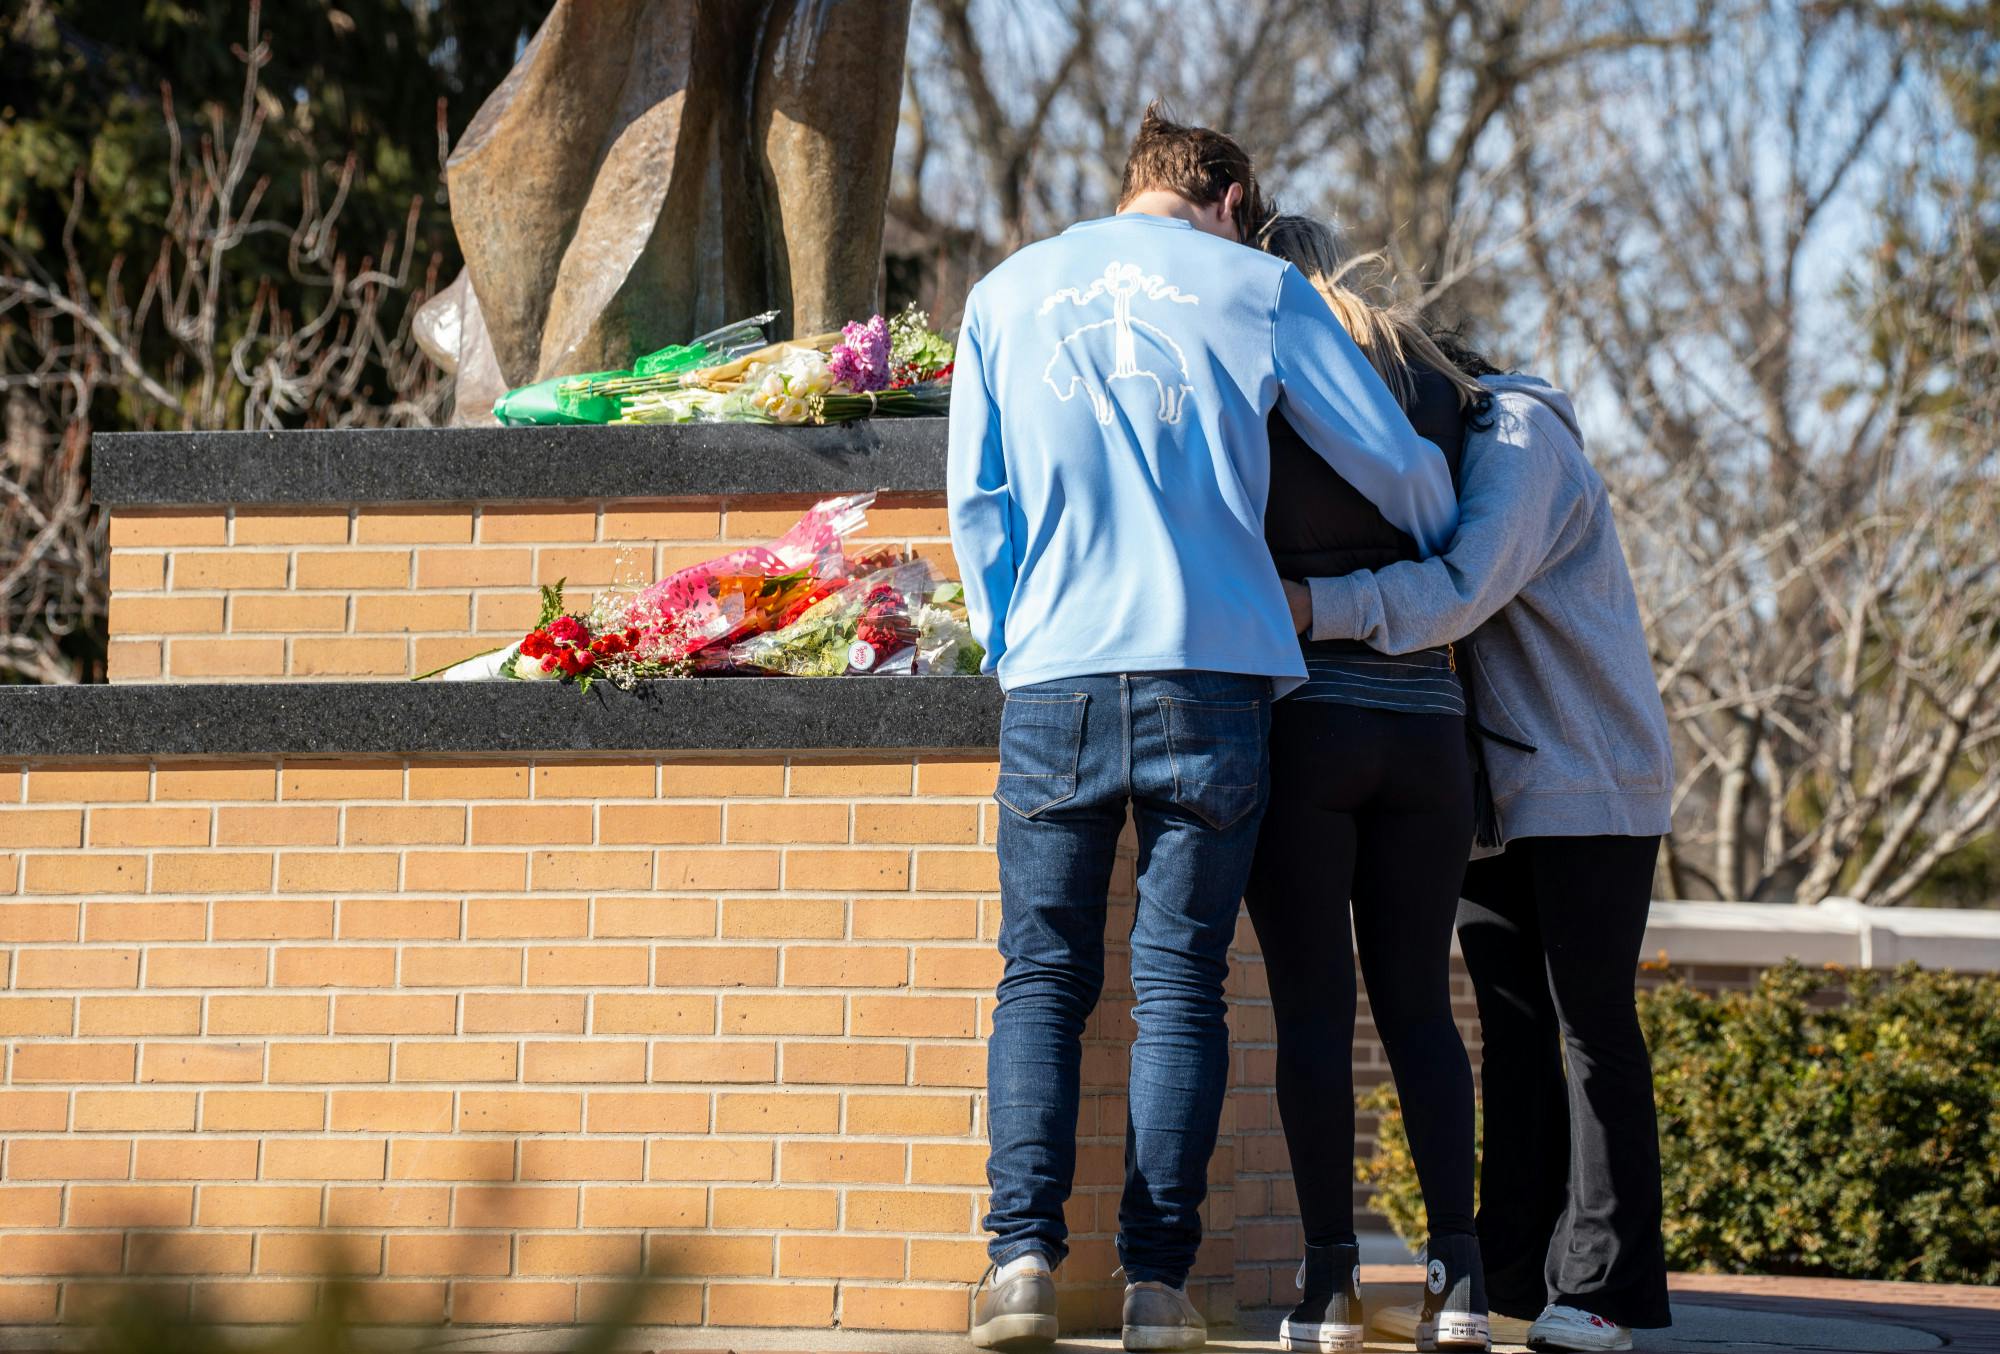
pixel 828 86
pixel 522 173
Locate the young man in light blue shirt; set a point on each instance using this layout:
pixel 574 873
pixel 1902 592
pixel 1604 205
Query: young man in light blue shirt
pixel 1107 477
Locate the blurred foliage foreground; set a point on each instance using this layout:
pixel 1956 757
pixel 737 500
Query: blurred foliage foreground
pixel 1826 1123
pixel 136 1320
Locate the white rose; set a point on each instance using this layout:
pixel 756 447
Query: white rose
pixel 533 669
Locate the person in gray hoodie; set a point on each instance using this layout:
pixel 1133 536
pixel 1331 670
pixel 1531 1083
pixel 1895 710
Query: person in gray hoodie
pixel 1581 769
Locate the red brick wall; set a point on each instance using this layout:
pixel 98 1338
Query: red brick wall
pixel 504 1032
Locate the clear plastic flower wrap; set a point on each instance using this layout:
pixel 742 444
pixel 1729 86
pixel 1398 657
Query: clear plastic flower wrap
pixel 891 622
pixel 755 584
pixel 726 344
pixel 654 379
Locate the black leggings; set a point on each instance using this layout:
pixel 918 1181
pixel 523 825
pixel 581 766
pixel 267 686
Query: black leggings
pixel 1569 1207
pixel 1376 806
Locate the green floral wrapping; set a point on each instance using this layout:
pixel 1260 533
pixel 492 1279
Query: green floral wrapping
pixel 556 401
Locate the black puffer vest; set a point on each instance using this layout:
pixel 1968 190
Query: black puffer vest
pixel 1317 524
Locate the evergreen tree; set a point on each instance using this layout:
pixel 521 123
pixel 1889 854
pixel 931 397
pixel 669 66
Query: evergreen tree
pixel 81 84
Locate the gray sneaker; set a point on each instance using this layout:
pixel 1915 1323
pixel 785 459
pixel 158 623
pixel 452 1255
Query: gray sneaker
pixel 1015 1312
pixel 1158 1317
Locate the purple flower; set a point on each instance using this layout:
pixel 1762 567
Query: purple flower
pixel 861 361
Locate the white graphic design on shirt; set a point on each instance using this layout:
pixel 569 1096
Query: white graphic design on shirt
pixel 1121 282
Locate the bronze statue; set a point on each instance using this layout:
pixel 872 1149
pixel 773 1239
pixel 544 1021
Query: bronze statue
pixel 653 168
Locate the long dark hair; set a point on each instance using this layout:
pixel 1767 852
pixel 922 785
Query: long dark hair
pixel 1458 350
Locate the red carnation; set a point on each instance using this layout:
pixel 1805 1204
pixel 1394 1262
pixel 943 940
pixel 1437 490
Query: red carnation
pixel 885 634
pixel 537 645
pixel 569 630
pixel 574 661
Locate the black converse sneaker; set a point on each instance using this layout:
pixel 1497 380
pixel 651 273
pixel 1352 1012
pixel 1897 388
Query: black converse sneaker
pixel 1453 1315
pixel 1328 1316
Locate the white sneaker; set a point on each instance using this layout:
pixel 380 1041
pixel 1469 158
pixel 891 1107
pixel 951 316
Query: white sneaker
pixel 1560 1327
pixel 1400 1323
pixel 1453 1313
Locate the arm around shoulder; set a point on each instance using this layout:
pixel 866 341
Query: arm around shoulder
pixel 1522 503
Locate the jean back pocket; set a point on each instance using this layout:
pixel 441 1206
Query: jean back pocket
pixel 1218 753
pixel 1041 744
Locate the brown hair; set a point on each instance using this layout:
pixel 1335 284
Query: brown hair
pixel 1198 163
pixel 1389 336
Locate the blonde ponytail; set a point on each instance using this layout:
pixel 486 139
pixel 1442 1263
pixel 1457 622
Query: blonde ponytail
pixel 1389 336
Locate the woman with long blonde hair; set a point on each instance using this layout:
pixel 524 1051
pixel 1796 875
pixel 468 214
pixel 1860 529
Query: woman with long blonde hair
pixel 1372 806
pixel 1578 775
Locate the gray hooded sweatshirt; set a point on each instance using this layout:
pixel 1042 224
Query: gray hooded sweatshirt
pixel 1560 657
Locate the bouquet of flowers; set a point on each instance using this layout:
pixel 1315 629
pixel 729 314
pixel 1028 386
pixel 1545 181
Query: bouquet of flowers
pixel 598 397
pixel 615 643
pixel 765 579
pixel 899 367
pixel 688 621
pixel 890 621
pixel 885 367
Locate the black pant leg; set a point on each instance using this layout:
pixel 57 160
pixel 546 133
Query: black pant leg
pixel 1297 898
pixel 1412 844
pixel 1524 1162
pixel 1592 895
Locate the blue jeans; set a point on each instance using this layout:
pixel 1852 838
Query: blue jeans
pixel 1186 751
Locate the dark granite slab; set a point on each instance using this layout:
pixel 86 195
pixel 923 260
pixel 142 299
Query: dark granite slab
pixel 322 718
pixel 497 465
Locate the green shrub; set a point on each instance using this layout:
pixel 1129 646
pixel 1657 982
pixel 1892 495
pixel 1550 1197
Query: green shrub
pixel 1825 1123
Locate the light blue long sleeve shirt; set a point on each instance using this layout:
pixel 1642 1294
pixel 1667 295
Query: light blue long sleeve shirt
pixel 1109 461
